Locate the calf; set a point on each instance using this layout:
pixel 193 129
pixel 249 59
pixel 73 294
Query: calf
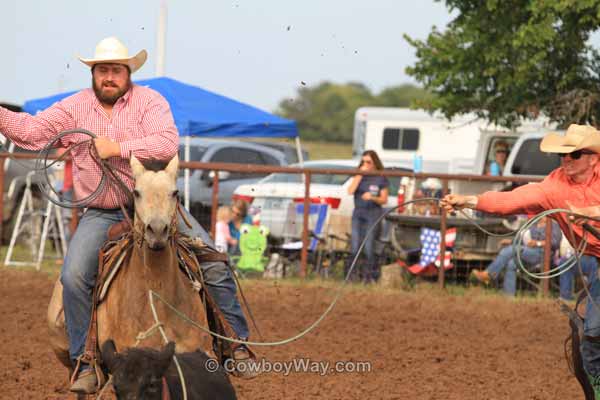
pixel 138 374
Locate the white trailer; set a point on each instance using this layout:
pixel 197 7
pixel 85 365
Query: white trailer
pixel 460 146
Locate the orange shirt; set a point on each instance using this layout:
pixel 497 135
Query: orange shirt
pixel 553 192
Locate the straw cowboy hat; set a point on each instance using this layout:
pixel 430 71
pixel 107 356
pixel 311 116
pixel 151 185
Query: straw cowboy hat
pixel 111 50
pixel 577 137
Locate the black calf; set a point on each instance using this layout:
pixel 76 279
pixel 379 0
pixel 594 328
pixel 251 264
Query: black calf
pixel 138 374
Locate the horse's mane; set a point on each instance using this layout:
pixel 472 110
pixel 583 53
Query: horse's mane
pixel 154 165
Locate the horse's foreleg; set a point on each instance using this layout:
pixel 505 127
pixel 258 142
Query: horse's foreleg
pixel 57 333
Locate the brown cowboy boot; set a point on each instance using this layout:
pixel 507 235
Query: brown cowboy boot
pixel 245 364
pixel 86 382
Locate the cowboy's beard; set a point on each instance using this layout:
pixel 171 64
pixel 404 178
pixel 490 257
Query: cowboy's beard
pixel 108 92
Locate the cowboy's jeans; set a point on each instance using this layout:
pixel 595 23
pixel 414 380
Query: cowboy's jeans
pixel 219 280
pixel 590 349
pixel 589 267
pixel 506 261
pixel 80 268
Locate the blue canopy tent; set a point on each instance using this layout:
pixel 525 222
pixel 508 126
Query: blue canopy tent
pixel 198 112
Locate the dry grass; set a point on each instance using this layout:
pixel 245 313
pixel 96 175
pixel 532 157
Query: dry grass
pixel 49 264
pixel 327 150
pixel 318 150
pixel 419 288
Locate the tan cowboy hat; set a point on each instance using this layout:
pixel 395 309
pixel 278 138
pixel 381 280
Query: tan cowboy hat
pixel 111 50
pixel 576 138
pixel 501 145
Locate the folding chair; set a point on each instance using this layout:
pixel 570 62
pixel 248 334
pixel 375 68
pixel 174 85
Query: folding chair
pixel 290 251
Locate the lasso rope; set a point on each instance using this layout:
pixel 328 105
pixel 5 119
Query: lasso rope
pixel 560 269
pixel 517 242
pixel 43 165
pixel 152 295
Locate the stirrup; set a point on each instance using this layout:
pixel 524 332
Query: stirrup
pixel 245 365
pixel 94 368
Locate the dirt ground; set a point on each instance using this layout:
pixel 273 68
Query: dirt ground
pixel 420 345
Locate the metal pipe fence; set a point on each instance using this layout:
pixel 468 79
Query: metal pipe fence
pixel 308 172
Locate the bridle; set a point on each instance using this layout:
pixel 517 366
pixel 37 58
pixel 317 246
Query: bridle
pixel 139 231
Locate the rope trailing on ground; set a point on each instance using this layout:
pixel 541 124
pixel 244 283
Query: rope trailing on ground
pixel 314 324
pixel 563 268
pixel 46 187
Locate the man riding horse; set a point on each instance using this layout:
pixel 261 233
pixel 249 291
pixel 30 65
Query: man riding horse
pixel 575 185
pixel 128 120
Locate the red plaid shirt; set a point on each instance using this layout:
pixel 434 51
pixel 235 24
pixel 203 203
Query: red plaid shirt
pixel 141 123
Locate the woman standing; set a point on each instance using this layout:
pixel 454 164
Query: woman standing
pixel 370 194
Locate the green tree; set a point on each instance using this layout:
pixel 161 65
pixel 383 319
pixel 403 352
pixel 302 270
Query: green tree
pixel 326 112
pixel 402 96
pixel 511 59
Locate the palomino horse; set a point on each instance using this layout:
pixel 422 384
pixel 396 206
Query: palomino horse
pixel 125 310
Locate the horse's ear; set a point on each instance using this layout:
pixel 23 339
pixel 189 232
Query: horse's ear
pixel 168 350
pixel 136 166
pixel 166 355
pixel 110 355
pixel 172 166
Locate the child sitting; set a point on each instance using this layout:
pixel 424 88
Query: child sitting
pixel 222 234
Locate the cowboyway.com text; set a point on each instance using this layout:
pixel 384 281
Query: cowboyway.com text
pixel 295 365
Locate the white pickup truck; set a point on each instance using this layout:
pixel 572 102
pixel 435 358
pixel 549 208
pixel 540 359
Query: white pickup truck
pixel 526 160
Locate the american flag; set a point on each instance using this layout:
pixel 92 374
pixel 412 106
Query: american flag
pixel 430 247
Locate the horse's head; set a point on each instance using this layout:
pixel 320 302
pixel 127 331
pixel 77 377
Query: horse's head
pixel 155 198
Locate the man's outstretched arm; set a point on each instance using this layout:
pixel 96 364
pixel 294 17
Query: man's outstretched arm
pixel 527 199
pixel 34 132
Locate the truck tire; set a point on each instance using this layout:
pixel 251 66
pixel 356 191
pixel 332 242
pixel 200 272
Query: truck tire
pixel 403 241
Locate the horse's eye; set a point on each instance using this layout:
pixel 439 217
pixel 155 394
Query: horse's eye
pixel 175 193
pixel 137 193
